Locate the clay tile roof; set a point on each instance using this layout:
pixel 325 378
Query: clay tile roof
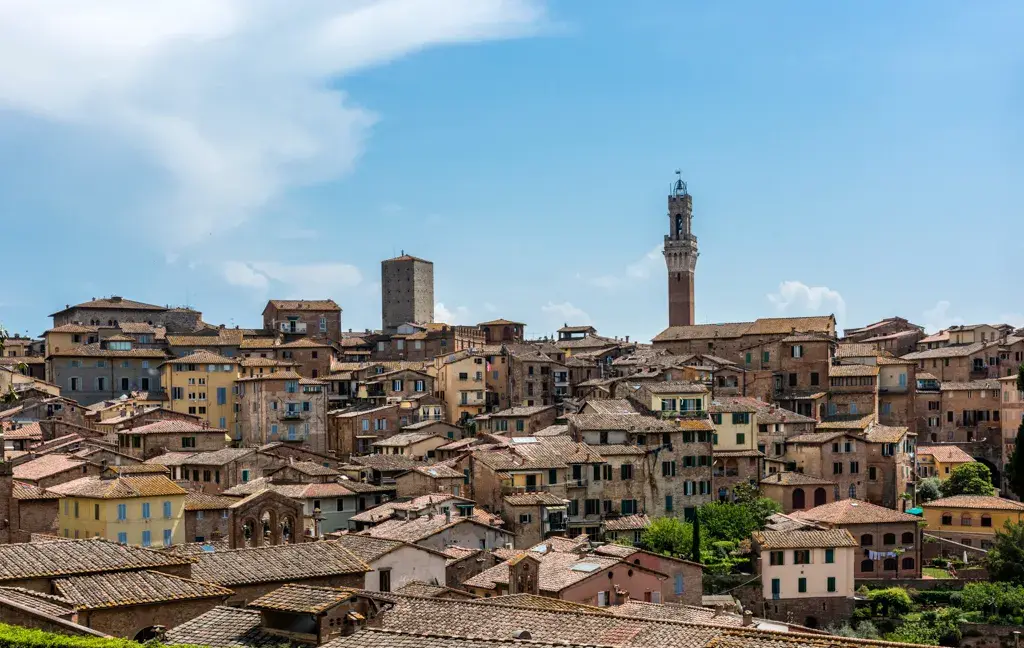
pixel 455 553
pixel 203 357
pixel 500 322
pixel 522 411
pixel 307 599
pixel 611 406
pixel 419 528
pixel 695 424
pixel 304 343
pixel 258 343
pixel 171 458
pixel 94 350
pixel 47 604
pixel 885 434
pixel 945 453
pixel 847 422
pixel 119 487
pixel 804 538
pixel 171 426
pixel 73 328
pixel 216 457
pixel 947 352
pixel 405 439
pixel 676 387
pixel 115 303
pixel 304 304
pixel 46 466
pixel 628 523
pixel 557 570
pixel 419 588
pixel 200 501
pixel 974 385
pixel 138 469
pixel 542 498
pixel 30 432
pixel 794 479
pixel 628 422
pixel 368 548
pixel 26 560
pixel 853 370
pixel 23 491
pixel 439 471
pixel 224 627
pixel 121 589
pixel 618 450
pixel 851 511
pixel 287 562
pixel 387 463
pixel 975 502
pixel 856 350
pixel 727 404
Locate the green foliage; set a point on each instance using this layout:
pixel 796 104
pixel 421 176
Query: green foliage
pixel 695 554
pixel 890 602
pixel 725 521
pixel 1015 464
pixel 744 493
pixel 1000 601
pixel 18 637
pixel 928 490
pixel 933 598
pixel 668 535
pixel 968 479
pixel 1005 561
pixel 932 628
pixel 863 630
pixel 1020 378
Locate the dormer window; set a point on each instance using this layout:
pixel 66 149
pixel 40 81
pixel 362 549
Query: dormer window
pixel 119 345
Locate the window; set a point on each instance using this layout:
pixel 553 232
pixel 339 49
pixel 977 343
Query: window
pixel 520 426
pixel 668 503
pixel 792 380
pixel 766 356
pixel 628 507
pixel 777 558
pixel 167 537
pixel 965 519
pixel 245 476
pixel 867 540
pixel 602 599
pixel 872 473
pixel 74 384
pixel 740 438
pixel 525 518
pixel 947 518
pixel 854 467
pixel 147 538
pixel 188 442
pixel 167 510
pixel 889 539
pixel 837 468
pixel 908 538
pixel 76 509
pixel 122 538
pixel 908 563
pixel 867 565
pixel 801 585
pixel 122 512
pixel 96 511
pixel 125 384
pixel 716 417
pixel 831 583
pixel 626 472
pixel 986 520
pixel 830 556
pixel 802 557
pixel 679 585
pixel 814 378
pixel 145 510
pixel 668 468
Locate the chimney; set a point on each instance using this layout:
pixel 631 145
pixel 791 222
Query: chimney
pixel 748 618
pixel 448 516
pixel 719 609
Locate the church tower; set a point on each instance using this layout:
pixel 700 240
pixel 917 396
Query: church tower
pixel 680 255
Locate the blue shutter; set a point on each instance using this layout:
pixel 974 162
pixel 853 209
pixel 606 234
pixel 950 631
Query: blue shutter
pixel 167 537
pixel 679 585
pixel 122 538
pixel 167 509
pixel 147 538
pixel 222 395
pixel 145 510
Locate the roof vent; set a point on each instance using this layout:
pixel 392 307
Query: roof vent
pixel 522 634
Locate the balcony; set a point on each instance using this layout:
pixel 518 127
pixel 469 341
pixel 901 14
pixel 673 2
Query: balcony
pixel 293 327
pixel 685 414
pixel 577 483
pixel 892 389
pixel 726 472
pixel 555 526
pixel 294 415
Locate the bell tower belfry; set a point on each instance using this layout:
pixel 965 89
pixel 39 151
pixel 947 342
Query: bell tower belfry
pixel 680 254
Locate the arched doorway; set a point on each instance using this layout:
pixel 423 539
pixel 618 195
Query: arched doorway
pixel 811 622
pixel 820 496
pixel 992 468
pixel 799 499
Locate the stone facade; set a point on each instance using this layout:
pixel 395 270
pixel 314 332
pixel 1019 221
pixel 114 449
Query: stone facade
pixel 282 407
pixel 352 431
pixel 407 292
pixel 813 612
pixel 680 256
pixel 840 458
pixel 299 318
pixel 136 620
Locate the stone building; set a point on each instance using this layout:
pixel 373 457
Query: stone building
pixel 32 510
pixel 520 421
pixel 731 341
pixel 284 407
pixel 353 431
pixel 152 439
pixel 796 491
pixel 502 331
pixel 969 411
pixel 110 311
pixel 108 369
pixel 407 292
pixel 296 318
pixel 424 342
pixel 311 356
pixel 960 363
pixel 1011 414
pixel 890 466
pixel 834 455
pixel 807 571
pixel 890 541
pixel 460 384
pixel 853 390
pixel 680 256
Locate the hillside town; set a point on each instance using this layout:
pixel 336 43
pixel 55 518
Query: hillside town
pixel 775 482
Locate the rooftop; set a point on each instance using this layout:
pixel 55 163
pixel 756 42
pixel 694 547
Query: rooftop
pixel 975 502
pixel 121 487
pixel 280 563
pixel 762 326
pixel 851 511
pixel 304 304
pixel 804 538
pixel 26 560
pixel 945 453
pixel 404 439
pixel 794 479
pixel 224 627
pixel 121 589
pixel 304 599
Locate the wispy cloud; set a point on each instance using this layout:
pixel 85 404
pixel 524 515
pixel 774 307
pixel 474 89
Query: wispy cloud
pixel 296 281
pixel 234 102
pixel 796 298
pixel 639 270
pixel 938 317
pixel 457 315
pixel 565 313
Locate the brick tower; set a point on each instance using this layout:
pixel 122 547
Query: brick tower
pixel 680 255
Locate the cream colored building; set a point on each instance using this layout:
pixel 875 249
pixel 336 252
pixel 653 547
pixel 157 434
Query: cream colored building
pixel 202 384
pixel 460 384
pixel 675 398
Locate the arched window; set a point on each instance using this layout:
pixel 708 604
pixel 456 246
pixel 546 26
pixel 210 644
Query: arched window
pixel 986 520
pixel 798 498
pixel 908 563
pixel 819 496
pixel 889 564
pixel 853 491
pixel 908 538
pixel 965 519
pixel 867 565
pixel 947 518
pixel 889 539
pixel 867 540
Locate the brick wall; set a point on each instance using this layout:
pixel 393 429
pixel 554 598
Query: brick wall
pixel 128 621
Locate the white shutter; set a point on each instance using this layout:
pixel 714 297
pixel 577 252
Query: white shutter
pixel 602 599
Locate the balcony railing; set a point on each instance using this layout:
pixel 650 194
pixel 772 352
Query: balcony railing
pixel 689 414
pixel 293 327
pixel 577 483
pixel 292 415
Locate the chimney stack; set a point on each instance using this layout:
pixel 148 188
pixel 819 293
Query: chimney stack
pixel 748 618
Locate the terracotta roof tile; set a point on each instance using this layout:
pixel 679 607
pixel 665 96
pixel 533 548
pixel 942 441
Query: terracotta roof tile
pixel 121 589
pixel 224 627
pixel 171 426
pixel 368 548
pixel 627 523
pixel 839 371
pixel 200 501
pixel 419 528
pixel 26 560
pixel 47 466
pixel 794 479
pixel 804 538
pixel 47 604
pixel 278 563
pixel 851 511
pixel 543 498
pixel 945 453
pixel 119 487
pixel 975 502
pixel 298 598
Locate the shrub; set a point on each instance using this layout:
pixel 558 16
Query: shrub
pixel 893 601
pixel 18 637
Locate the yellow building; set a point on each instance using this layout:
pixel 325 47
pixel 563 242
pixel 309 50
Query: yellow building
pixel 69 336
pixel 940 461
pixel 676 397
pixel 460 384
pixel 735 424
pixel 133 508
pixel 971 520
pixel 202 384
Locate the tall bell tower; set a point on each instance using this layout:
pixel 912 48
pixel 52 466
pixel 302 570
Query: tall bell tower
pixel 680 254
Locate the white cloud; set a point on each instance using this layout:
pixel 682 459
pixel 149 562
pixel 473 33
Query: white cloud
pixel 565 313
pixel 639 270
pixel 796 298
pixel 460 315
pixel 171 257
pixel 938 317
pixel 295 281
pixel 234 101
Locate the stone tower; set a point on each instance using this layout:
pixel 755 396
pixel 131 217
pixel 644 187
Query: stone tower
pixel 407 292
pixel 680 255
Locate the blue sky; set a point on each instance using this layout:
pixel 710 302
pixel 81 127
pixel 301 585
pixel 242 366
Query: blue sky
pixel 859 158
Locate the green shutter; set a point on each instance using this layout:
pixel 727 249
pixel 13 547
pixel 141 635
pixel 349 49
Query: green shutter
pixel 802 585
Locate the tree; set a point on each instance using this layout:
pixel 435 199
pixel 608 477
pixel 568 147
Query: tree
pixel 1020 378
pixel 668 535
pixel 933 627
pixel 1015 464
pixel 968 479
pixel 1005 561
pixel 724 521
pixel 890 602
pixel 695 556
pixel 928 490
